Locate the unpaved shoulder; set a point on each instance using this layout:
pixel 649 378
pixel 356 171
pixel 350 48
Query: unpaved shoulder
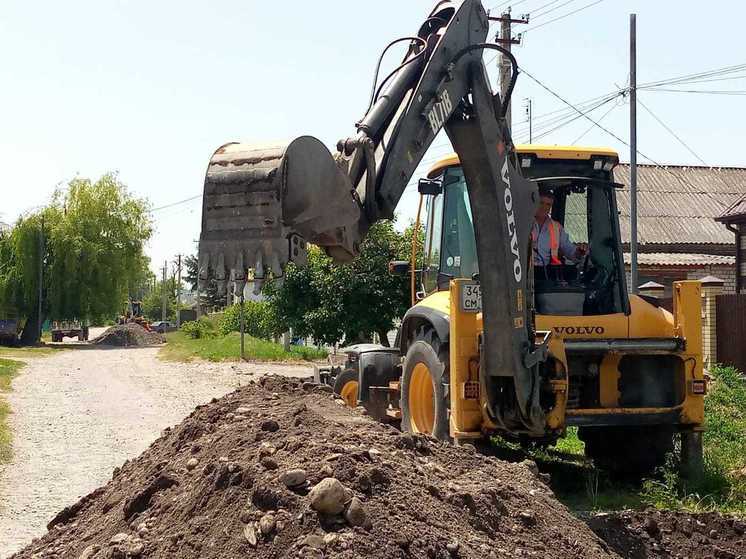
pixel 79 414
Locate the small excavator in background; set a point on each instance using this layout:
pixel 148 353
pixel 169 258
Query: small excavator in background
pixel 491 344
pixel 133 314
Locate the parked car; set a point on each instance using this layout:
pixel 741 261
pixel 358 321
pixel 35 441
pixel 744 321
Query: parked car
pixel 163 326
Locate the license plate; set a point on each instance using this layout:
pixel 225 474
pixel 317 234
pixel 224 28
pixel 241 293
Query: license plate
pixel 471 297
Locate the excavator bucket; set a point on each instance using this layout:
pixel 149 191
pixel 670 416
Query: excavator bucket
pixel 262 204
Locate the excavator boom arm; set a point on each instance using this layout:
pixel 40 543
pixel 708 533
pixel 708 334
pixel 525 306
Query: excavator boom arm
pixel 262 205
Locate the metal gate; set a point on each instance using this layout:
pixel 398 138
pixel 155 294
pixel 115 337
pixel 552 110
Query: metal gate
pixel 731 330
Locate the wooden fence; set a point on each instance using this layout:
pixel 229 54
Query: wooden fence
pixel 731 330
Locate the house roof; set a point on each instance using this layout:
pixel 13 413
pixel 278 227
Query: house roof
pixel 677 205
pixel 737 209
pixel 681 259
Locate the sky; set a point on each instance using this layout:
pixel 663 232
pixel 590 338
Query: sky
pixel 150 89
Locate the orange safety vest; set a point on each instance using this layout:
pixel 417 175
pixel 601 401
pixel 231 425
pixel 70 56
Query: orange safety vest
pixel 554 234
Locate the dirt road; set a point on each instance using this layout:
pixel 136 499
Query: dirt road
pixel 79 414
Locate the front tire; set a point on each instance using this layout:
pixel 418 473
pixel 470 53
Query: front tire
pixel 424 388
pixel 346 385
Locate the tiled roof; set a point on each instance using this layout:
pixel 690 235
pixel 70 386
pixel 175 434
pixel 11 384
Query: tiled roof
pixel 680 259
pixel 679 204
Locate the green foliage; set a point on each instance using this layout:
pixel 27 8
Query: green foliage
pixel 259 320
pixel 93 238
pixel 181 347
pixel 723 486
pixel 208 298
pixel 329 302
pixel 203 327
pixel 152 302
pixel 8 370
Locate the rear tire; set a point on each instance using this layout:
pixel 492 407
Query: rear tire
pixel 346 385
pixel 628 450
pixel 424 388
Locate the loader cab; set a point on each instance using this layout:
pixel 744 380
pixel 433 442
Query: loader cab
pixel 581 181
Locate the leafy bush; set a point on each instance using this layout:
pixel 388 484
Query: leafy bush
pixel 259 320
pixel 200 328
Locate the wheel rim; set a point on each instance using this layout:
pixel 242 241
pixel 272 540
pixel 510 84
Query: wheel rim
pixel 349 393
pixel 422 400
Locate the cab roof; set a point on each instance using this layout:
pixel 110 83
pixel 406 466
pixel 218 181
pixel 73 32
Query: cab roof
pixel 541 151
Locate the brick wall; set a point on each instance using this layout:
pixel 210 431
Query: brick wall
pixel 725 273
pixel 666 275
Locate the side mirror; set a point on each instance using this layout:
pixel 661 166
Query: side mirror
pixel 399 267
pixel 429 187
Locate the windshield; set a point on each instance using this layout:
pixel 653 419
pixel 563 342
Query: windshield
pixel 586 212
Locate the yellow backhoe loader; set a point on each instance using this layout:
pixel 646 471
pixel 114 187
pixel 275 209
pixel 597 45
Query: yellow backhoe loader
pixel 492 343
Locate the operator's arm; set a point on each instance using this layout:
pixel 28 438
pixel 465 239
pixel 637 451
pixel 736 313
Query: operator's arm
pixel 567 247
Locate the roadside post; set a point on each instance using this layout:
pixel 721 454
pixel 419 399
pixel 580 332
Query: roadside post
pixel 241 319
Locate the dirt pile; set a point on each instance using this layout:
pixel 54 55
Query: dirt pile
pixel 640 535
pixel 125 335
pixel 282 469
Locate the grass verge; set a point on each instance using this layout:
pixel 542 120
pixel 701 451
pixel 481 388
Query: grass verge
pixel 22 352
pixel 583 487
pixel 8 369
pixel 181 347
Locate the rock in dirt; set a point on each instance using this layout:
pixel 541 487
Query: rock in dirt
pixel 419 497
pixel 293 478
pixel 328 496
pixel 355 514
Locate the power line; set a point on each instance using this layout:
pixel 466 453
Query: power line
pixel 682 142
pixel 674 134
pixel 704 91
pixel 562 16
pixel 692 77
pixel 176 203
pixel 603 116
pixel 609 132
pixel 553 9
pixel 540 8
pixel 501 4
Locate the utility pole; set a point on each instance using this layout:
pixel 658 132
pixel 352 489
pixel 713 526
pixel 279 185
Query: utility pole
pixel 41 276
pixel 164 297
pixel 505 68
pixel 633 150
pixel 530 118
pixel 178 292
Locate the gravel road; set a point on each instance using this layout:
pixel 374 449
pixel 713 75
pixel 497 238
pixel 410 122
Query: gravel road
pixel 80 413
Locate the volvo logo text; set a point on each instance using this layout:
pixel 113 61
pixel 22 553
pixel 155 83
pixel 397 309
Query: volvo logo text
pixel 579 330
pixel 512 233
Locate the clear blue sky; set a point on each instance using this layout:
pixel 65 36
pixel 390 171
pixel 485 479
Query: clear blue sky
pixel 150 89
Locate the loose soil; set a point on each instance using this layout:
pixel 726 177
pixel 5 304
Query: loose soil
pixel 79 413
pixel 649 534
pixel 205 489
pixel 241 477
pixel 128 335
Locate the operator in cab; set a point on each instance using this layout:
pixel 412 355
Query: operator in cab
pixel 551 243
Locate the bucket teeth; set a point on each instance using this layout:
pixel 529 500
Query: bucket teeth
pixel 262 205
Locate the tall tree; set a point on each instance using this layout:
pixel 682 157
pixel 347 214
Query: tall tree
pixel 93 239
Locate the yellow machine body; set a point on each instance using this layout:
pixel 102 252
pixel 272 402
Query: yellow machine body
pixel 645 322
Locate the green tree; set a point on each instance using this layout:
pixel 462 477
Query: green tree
pixel 152 302
pixel 94 234
pixel 333 302
pixel 209 297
